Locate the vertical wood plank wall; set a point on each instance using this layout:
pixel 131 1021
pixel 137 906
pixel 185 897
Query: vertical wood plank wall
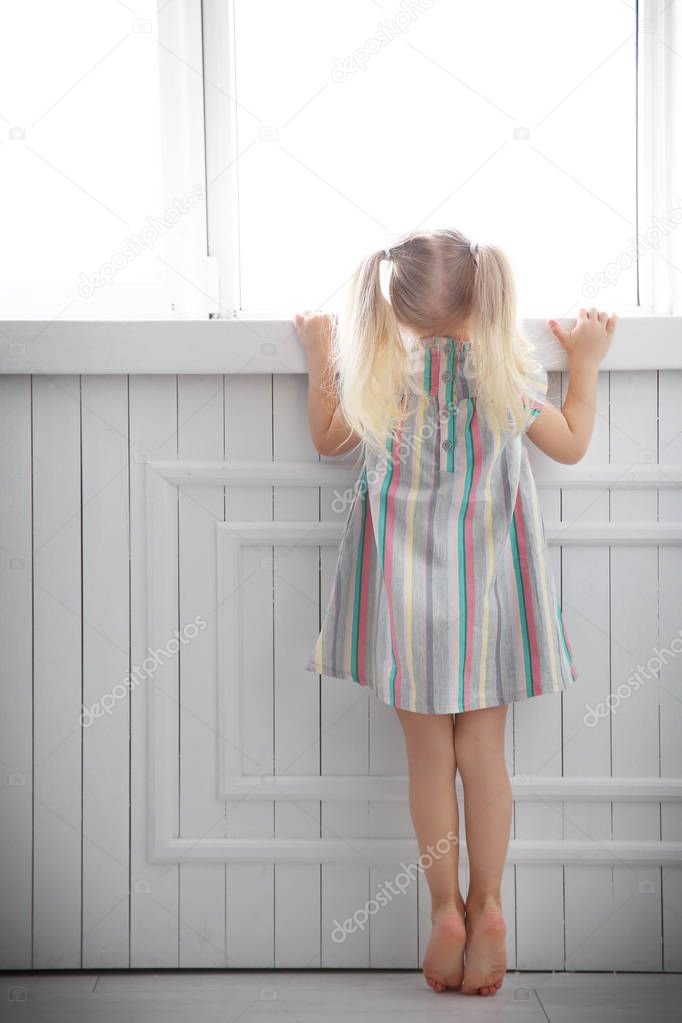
pixel 77 889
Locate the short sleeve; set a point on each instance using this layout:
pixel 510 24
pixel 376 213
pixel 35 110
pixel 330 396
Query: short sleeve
pixel 534 400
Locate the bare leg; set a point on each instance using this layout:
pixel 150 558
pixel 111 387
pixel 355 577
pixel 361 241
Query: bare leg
pixel 479 748
pixel 430 743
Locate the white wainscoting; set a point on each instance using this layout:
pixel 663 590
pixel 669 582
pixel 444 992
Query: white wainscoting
pixel 231 806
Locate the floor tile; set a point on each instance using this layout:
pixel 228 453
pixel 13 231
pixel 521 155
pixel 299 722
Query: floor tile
pixel 333 997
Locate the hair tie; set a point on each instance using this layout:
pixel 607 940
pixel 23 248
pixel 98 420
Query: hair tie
pixel 473 249
pixel 385 274
pixel 387 253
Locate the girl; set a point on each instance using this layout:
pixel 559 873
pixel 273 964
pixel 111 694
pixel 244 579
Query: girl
pixel 443 601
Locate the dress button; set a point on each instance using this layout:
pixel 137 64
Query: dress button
pixel 446 376
pixel 446 445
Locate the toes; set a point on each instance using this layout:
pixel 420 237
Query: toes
pixel 490 989
pixel 484 989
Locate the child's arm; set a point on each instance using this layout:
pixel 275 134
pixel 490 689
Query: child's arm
pixel 564 435
pixel 329 429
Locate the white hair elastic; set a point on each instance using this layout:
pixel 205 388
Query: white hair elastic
pixel 385 273
pixel 473 249
pixel 387 253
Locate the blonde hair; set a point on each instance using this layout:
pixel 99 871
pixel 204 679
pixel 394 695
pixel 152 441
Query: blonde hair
pixel 437 279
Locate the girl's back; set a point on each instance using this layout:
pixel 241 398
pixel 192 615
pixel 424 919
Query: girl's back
pixel 443 599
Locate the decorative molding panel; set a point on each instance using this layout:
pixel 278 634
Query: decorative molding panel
pixel 166 845
pixel 339 473
pixel 376 851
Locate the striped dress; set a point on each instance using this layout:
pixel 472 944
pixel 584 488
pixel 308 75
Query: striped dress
pixel 443 599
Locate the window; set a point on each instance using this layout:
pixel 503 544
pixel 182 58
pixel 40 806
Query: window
pixel 357 120
pixel 93 189
pixel 196 158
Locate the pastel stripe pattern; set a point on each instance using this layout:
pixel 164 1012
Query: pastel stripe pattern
pixel 443 599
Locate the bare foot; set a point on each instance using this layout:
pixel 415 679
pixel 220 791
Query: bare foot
pixel 444 957
pixel 486 952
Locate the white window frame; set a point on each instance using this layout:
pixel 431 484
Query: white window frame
pixel 659 293
pixel 658 153
pixel 190 280
pixel 221 153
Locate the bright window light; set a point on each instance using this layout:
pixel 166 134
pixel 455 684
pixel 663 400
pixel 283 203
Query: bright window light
pixel 81 156
pixel 359 120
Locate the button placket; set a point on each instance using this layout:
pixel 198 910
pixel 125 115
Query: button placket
pixel 446 409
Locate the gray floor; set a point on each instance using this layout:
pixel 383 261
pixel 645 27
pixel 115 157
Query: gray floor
pixel 333 997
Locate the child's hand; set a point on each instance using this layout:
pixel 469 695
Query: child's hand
pixel 314 329
pixel 590 339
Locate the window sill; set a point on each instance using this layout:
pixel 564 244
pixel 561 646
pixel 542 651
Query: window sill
pixel 261 345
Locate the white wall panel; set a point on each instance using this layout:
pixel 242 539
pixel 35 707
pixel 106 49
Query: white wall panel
pixel 635 746
pixel 670 672
pixel 251 886
pixel 296 691
pixel 16 674
pixel 154 908
pixel 538 749
pixel 57 679
pixel 140 848
pixel 587 741
pixel 106 651
pixel 201 434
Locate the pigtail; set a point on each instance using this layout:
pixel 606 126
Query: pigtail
pixel 504 368
pixel 370 355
